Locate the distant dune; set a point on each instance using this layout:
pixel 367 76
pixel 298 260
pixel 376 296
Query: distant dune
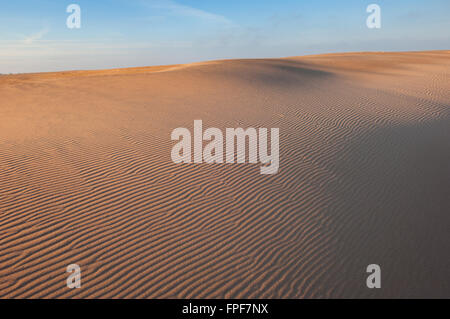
pixel 86 177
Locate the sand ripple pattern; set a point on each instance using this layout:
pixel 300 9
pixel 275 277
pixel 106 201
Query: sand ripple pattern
pixel 86 177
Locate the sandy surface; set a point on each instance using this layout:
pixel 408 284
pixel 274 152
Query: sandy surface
pixel 86 177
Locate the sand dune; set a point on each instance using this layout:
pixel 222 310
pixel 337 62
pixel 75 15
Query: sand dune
pixel 86 177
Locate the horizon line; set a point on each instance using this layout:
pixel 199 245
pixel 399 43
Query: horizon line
pixel 167 67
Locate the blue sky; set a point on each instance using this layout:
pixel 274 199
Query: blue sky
pixel 124 33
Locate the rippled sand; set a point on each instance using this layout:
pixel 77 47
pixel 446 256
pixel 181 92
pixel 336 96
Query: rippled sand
pixel 86 177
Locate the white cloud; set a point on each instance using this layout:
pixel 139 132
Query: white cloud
pixel 53 48
pixel 36 36
pixel 187 11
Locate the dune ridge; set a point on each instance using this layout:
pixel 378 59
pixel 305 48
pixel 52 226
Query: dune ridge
pixel 86 178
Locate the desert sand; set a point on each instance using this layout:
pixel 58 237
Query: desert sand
pixel 86 177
